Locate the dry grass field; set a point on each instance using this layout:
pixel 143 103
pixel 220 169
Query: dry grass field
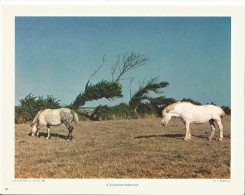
pixel 123 149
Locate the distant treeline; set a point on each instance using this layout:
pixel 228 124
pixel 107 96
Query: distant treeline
pixel 30 105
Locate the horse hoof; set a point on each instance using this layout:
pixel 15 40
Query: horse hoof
pixel 221 140
pixel 210 138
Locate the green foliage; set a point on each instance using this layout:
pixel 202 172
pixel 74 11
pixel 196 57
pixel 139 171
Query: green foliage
pixel 142 93
pixel 226 109
pixel 30 105
pixel 79 101
pixel 160 103
pixel 102 112
pixel 212 103
pixel 121 111
pixel 103 89
pixel 190 100
pixel 146 108
pixel 109 89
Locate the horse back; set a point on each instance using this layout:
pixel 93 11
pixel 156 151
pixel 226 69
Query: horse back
pixel 203 111
pixel 50 117
pixel 216 110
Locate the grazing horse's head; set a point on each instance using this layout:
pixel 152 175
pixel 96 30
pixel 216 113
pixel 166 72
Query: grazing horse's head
pixel 33 129
pixel 165 118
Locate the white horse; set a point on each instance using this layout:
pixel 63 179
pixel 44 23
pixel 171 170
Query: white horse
pixel 54 117
pixel 190 113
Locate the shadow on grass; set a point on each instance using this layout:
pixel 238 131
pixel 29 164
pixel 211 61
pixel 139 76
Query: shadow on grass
pixel 170 136
pixel 166 135
pixel 51 135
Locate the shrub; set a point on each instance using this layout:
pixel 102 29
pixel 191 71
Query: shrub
pixel 160 103
pixel 101 112
pixel 121 111
pixel 226 109
pixel 30 105
pixel 191 101
pixel 124 111
pixel 146 108
pixel 19 117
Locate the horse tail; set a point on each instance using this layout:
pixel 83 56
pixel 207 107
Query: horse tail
pixel 222 115
pixel 75 117
pixel 36 117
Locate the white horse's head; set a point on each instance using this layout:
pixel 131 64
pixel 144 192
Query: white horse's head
pixel 166 114
pixel 165 118
pixel 33 129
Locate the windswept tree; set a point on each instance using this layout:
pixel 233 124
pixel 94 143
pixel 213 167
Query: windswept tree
pixel 102 89
pixel 128 61
pixel 109 89
pixel 143 92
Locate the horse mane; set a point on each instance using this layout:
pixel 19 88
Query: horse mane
pixel 36 117
pixel 170 107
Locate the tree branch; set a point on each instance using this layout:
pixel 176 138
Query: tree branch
pixel 97 70
pixel 129 61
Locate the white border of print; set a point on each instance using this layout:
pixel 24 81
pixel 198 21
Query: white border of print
pixel 119 186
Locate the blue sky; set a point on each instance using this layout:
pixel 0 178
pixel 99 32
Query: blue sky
pixel 56 55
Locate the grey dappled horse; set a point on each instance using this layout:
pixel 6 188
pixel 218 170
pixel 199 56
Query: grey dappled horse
pixel 54 117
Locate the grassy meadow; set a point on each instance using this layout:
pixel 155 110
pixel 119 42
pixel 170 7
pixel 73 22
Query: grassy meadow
pixel 139 148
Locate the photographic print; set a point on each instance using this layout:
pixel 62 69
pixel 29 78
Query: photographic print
pixel 122 97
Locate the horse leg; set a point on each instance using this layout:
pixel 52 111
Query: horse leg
pixel 70 132
pixel 211 122
pixel 37 132
pixel 220 130
pixel 70 128
pixel 38 128
pixel 187 134
pixel 184 128
pixel 48 128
